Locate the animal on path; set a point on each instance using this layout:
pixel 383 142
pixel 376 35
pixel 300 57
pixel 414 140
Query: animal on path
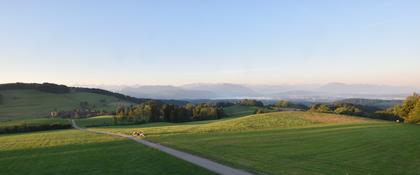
pixel 138 134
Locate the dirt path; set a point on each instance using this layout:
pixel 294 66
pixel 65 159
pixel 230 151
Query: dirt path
pixel 202 162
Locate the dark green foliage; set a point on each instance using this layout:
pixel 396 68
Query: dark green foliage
pixel 250 102
pixel 206 112
pixel 154 111
pixel 383 104
pixel 387 114
pixel 355 110
pixel 1 99
pixel 287 104
pixel 33 127
pixel 84 110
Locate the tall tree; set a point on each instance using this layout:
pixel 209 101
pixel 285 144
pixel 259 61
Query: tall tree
pixel 414 115
pixel 406 110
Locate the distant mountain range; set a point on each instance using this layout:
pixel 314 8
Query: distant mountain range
pixel 311 92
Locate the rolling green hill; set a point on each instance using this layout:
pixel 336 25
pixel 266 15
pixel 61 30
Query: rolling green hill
pixel 69 152
pixel 239 110
pixel 295 143
pixel 247 123
pixel 28 103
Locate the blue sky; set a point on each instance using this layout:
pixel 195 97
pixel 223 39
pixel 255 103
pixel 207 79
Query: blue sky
pixel 236 41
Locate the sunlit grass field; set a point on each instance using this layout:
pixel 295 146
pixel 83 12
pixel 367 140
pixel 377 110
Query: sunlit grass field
pixel 251 122
pixel 239 110
pixel 75 152
pixel 296 143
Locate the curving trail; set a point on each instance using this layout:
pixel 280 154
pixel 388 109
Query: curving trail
pixel 202 162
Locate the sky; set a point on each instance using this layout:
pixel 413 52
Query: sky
pixel 210 41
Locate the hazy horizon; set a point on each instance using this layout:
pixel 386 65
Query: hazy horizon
pixel 183 42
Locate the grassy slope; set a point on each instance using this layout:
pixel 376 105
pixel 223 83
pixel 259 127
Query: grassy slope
pixel 105 120
pixel 239 110
pixel 297 143
pixel 251 122
pixel 74 152
pixel 341 149
pixel 35 104
pixel 96 121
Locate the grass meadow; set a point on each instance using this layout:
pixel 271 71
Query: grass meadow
pixel 296 143
pixel 74 152
pixel 20 104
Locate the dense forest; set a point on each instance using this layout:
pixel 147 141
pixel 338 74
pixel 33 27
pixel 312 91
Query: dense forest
pixel 33 127
pixel 154 111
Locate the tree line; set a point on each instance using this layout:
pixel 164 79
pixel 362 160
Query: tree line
pixel 288 104
pixel 33 127
pixel 155 111
pixel 408 111
pixel 250 102
pixel 353 109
